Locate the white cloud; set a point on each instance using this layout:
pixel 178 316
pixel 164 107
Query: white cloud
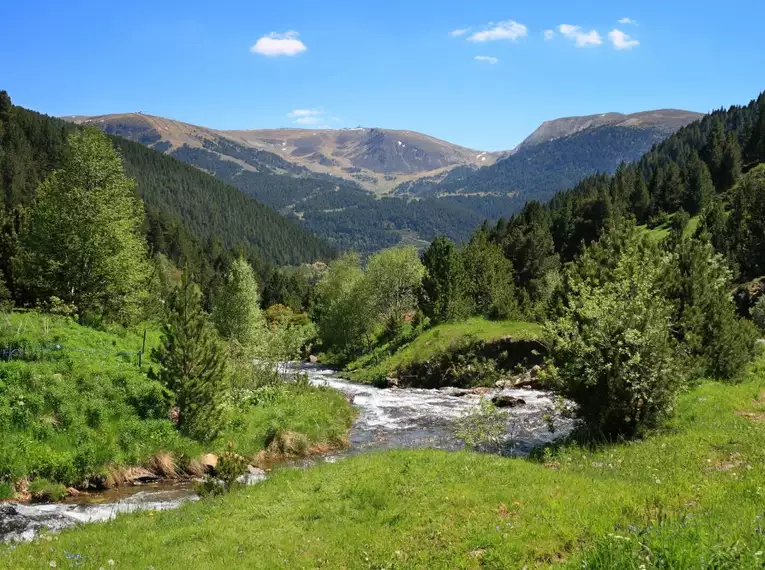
pixel 310 117
pixel 487 58
pixel 621 40
pixel 308 120
pixel 628 21
pixel 275 44
pixel 505 30
pixel 459 32
pixel 579 36
pixel 549 35
pixel 304 113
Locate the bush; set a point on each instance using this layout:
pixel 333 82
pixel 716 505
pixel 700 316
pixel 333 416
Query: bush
pixel 758 314
pixel 612 348
pixel 484 427
pixel 7 491
pixel 44 491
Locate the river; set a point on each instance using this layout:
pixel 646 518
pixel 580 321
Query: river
pixel 388 418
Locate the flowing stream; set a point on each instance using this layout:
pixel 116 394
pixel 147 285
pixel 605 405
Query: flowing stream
pixel 388 418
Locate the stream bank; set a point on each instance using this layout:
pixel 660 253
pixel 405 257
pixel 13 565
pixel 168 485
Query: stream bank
pixel 388 418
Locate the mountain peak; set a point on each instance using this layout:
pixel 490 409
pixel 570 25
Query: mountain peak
pixel 665 120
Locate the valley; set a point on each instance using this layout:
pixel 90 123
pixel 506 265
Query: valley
pixel 366 347
pixel 365 189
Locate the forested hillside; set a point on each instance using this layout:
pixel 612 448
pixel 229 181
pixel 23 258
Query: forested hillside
pixel 707 169
pixel 537 172
pixel 185 207
pixel 343 213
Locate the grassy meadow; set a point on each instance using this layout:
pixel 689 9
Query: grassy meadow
pixel 436 341
pixel 75 407
pixel 688 496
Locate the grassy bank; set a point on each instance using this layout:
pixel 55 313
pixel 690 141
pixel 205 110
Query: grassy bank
pixel 75 407
pixel 688 496
pixel 435 342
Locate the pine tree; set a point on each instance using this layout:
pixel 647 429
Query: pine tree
pixel 489 278
pixel 191 363
pixel 443 286
pixel 755 148
pixel 730 168
pixel 672 188
pixel 699 188
pixel 640 199
pixel 84 242
pixel 713 152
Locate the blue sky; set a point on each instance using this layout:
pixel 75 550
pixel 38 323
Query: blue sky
pixel 395 64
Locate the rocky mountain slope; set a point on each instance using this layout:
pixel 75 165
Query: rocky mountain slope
pixel 664 121
pixel 375 159
pixel 365 189
pixel 557 156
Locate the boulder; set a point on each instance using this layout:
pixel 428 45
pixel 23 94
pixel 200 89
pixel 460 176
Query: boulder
pixel 507 401
pixel 209 462
pixel 253 476
pixel 392 382
pixel 530 380
pixel 502 384
pixel 313 359
pixel 138 475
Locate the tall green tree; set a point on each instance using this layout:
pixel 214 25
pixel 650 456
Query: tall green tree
pixel 191 363
pixel 443 286
pixel 343 312
pixel 700 189
pixel 704 319
pixel 671 188
pixel 755 146
pixel 84 242
pixel 730 168
pixel 393 278
pixel 530 248
pixel 746 223
pixel 236 312
pixel 640 199
pixel 713 152
pixel 489 278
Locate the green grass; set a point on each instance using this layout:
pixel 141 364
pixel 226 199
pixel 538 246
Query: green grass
pixel 659 233
pixel 687 496
pixel 74 404
pixel 438 340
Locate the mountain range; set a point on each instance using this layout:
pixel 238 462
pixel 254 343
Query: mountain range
pixel 367 188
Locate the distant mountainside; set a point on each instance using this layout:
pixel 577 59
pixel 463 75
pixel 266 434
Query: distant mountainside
pixel 664 121
pixel 185 207
pixel 557 156
pixel 365 189
pixel 375 159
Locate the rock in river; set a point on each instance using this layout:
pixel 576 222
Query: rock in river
pixel 506 401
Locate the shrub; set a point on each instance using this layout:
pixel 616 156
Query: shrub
pixel 758 314
pixel 7 491
pixel 612 348
pixel 43 490
pixel 483 427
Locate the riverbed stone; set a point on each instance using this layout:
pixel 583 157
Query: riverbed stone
pixel 507 401
pixel 209 461
pixel 253 476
